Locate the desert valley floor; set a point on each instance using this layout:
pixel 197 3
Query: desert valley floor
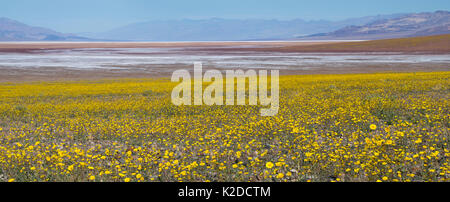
pixel 23 61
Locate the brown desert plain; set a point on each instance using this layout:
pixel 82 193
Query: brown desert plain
pixel 428 45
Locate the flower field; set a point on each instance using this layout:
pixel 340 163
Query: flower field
pixel 355 127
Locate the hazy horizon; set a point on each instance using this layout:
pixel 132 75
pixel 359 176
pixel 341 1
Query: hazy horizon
pixel 103 15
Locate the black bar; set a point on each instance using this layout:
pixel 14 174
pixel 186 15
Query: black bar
pixel 228 191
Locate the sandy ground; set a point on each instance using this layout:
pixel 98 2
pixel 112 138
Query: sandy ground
pixel 61 74
pixel 29 46
pixel 10 74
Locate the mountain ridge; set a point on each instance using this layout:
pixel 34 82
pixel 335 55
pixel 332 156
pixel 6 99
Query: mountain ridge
pixel 219 29
pixel 410 25
pixel 216 29
pixel 12 30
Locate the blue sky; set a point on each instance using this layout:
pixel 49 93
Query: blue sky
pixel 101 15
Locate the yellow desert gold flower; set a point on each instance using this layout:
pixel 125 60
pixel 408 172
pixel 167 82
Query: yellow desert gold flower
pixel 269 165
pixel 418 141
pixel 373 126
pixel 280 175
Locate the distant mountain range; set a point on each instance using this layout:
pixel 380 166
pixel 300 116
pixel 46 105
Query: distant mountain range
pixel 11 30
pixel 411 25
pixel 217 29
